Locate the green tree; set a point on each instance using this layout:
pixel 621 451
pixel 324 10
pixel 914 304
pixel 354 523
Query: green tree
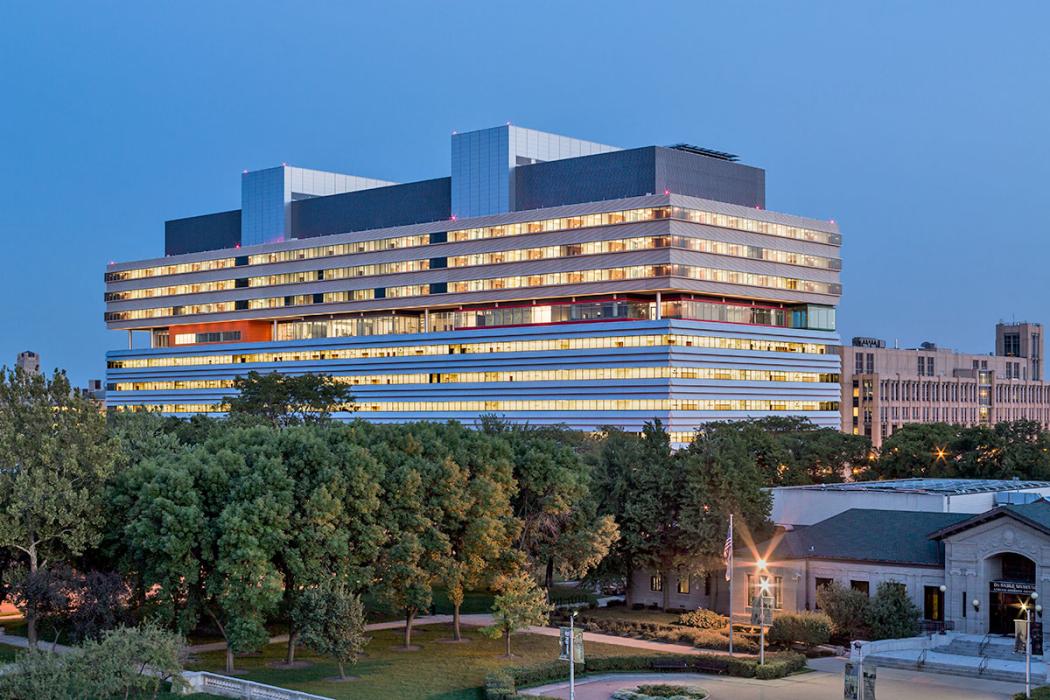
pixel 285 399
pixel 847 608
pixel 561 529
pixel 409 564
pixel 332 530
pixel 203 530
pixel 55 458
pixel 891 614
pixel 918 450
pixel 518 604
pixel 721 476
pixel 480 524
pixel 639 485
pixel 332 621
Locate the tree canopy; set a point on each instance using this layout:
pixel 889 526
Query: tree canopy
pixel 286 399
pixel 55 454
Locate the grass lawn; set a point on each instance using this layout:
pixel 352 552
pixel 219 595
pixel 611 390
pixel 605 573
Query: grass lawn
pixel 623 613
pixel 439 671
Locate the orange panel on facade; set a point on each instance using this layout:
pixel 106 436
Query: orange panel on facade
pixel 251 331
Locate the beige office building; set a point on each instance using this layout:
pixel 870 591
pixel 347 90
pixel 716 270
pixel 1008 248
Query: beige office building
pixel 885 388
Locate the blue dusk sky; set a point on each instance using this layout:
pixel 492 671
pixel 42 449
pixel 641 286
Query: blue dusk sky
pixel 920 127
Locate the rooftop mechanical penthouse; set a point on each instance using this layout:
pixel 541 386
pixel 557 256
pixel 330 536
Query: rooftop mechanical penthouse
pixel 548 280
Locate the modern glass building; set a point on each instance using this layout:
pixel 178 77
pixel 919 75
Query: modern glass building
pixel 548 280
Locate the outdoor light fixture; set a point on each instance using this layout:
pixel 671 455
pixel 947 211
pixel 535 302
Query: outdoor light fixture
pixel 761 563
pixel 943 588
pixel 976 604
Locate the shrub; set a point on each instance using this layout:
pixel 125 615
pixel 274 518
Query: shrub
pixel 674 634
pixel 780 664
pixel 1040 693
pixel 891 614
pixel 112 667
pixel 671 692
pixel 808 628
pixel 704 619
pixel 660 690
pixel 847 608
pixel 499 685
pixel 769 671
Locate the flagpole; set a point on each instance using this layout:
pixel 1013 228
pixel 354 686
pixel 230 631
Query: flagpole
pixel 729 575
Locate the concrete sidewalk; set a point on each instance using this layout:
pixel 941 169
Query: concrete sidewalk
pixel 484 619
pixel 13 640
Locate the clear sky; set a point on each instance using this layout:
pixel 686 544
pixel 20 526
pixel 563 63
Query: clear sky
pixel 920 127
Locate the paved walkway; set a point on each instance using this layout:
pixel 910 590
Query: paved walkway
pixel 483 620
pixel 825 683
pixel 13 640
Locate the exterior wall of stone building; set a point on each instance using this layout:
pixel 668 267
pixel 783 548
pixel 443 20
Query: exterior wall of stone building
pixel 969 564
pixel 794 584
pixel 705 590
pixel 886 388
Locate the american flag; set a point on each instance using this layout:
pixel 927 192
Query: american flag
pixel 727 551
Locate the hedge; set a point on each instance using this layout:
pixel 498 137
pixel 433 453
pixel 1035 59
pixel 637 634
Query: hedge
pixel 503 684
pixel 661 692
pixel 1040 693
pixel 807 628
pixel 674 634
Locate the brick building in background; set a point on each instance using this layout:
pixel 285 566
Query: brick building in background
pixel 885 388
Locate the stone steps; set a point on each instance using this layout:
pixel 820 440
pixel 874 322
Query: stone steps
pixel 998 669
pixel 961 647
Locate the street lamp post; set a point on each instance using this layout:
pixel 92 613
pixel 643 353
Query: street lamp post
pixel 1028 642
pixel 763 592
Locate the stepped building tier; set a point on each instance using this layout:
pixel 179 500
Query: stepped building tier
pixel 548 281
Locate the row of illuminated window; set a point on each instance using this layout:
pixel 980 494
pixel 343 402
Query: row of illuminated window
pixel 647 214
pixel 598 343
pixel 478 259
pixel 608 274
pixel 541 226
pixel 608 310
pixel 173 269
pixel 611 274
pixel 541 405
pixel 543 375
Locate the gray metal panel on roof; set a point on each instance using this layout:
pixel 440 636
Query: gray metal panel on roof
pixel 858 534
pixel 952 487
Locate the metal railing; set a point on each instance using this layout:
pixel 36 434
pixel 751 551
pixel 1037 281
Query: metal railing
pixel 983 665
pixel 984 644
pixel 225 686
pixel 921 661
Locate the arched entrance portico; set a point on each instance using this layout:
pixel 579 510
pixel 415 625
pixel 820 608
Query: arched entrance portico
pixel 1011 581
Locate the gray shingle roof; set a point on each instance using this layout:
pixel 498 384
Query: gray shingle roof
pixel 1035 514
pixel 862 534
